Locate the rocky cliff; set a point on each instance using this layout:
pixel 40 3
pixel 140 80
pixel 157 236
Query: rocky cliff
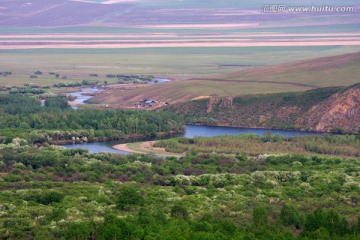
pixel 331 109
pixel 339 111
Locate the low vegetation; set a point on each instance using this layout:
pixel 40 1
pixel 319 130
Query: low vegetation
pixel 131 78
pixel 253 145
pixel 57 193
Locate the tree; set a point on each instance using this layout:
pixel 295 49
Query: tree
pixel 56 102
pixel 178 211
pixel 49 197
pixel 290 216
pixel 129 196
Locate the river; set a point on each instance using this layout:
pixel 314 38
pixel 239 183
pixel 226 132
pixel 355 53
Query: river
pixel 86 93
pixel 190 132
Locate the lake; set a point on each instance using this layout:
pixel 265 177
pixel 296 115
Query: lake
pixel 190 132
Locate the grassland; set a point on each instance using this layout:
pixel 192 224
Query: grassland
pixel 174 63
pixel 297 76
pixel 182 40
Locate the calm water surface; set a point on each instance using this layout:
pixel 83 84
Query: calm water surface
pixel 190 132
pixel 209 131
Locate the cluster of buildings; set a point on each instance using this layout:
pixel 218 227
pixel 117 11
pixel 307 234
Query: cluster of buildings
pixel 148 103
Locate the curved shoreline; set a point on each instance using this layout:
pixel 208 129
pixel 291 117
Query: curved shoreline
pixel 123 147
pixel 147 149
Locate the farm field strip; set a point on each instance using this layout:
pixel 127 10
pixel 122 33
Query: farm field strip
pixel 172 35
pixel 184 44
pixel 172 40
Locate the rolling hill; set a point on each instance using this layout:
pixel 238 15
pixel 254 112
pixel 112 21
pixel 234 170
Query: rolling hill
pixel 342 70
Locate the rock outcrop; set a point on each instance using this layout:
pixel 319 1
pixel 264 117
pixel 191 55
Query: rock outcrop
pixel 339 111
pixel 331 109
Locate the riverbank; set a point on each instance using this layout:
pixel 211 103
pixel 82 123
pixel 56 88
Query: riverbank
pixel 145 148
pixel 125 146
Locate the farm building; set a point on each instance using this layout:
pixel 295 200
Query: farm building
pixel 147 103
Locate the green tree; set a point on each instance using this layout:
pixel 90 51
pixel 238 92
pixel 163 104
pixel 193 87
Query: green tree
pixel 129 196
pixel 178 211
pixel 290 216
pixel 48 197
pixel 56 102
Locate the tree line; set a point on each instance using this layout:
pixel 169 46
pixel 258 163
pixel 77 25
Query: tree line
pixel 24 112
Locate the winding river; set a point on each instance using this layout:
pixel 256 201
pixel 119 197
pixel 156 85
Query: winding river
pixel 190 132
pixel 86 93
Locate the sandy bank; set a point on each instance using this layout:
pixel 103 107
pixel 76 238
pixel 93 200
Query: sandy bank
pixel 146 148
pixel 125 148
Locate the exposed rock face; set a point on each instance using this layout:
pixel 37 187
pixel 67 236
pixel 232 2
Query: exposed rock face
pixel 323 110
pixel 226 102
pixel 339 111
pixel 211 104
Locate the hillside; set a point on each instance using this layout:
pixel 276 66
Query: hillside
pixel 329 109
pixel 341 110
pixel 291 77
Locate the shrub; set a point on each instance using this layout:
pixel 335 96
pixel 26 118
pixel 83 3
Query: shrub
pixel 45 197
pixel 260 216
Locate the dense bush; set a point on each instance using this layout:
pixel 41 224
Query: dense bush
pixel 45 197
pixel 56 102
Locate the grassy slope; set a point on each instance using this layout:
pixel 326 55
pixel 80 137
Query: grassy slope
pixel 323 72
pixel 327 71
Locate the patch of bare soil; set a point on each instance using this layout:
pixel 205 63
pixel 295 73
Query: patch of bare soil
pixel 201 97
pixel 124 147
